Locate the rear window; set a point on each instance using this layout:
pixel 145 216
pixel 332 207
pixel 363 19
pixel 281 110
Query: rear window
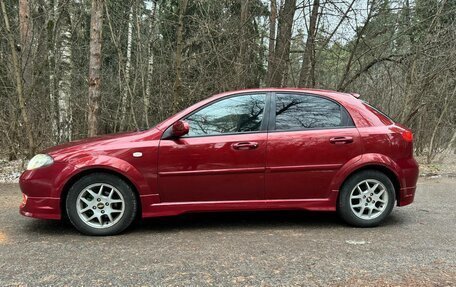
pixel 384 118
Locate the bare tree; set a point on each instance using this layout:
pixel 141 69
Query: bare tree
pixel 19 87
pixel 125 93
pixel 282 49
pixel 96 24
pixel 359 36
pixel 150 62
pixel 272 33
pixel 64 66
pixel 307 75
pixel 431 152
pixel 242 60
pixel 25 28
pixel 51 47
pixel 178 57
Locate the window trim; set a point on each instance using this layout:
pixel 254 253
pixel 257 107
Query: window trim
pixel 272 113
pixel 264 122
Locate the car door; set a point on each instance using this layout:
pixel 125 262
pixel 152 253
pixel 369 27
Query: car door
pixel 222 158
pixel 310 139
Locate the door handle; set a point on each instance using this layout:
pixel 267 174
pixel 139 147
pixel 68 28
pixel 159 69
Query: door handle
pixel 245 145
pixel 341 140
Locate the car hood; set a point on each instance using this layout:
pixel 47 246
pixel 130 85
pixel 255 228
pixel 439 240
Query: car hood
pixel 99 144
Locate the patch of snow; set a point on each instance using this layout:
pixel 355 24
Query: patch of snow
pixel 10 171
pixel 356 242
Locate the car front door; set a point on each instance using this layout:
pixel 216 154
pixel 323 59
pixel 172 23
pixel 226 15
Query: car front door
pixel 310 139
pixel 222 158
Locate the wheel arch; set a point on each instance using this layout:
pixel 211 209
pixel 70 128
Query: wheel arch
pixel 377 167
pixel 74 178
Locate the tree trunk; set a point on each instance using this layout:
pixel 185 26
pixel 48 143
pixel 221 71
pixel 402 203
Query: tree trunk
pixel 96 22
pixel 123 102
pixel 52 16
pixel 178 62
pixel 120 67
pixel 242 61
pixel 65 67
pixel 150 63
pixel 19 86
pixel 25 29
pixel 282 49
pixel 272 33
pixel 307 74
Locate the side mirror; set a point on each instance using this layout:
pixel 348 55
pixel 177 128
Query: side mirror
pixel 180 128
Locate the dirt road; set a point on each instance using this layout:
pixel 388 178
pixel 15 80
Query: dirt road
pixel 416 246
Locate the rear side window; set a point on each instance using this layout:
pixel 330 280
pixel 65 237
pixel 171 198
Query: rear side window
pixel 298 112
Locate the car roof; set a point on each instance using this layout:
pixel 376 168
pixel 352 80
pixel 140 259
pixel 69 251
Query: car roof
pixel 341 97
pixel 322 92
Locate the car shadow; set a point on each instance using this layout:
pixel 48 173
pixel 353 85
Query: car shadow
pixel 251 221
pixel 49 227
pixel 240 220
pixel 219 221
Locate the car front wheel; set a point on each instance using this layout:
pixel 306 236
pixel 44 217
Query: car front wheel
pixel 366 198
pixel 101 204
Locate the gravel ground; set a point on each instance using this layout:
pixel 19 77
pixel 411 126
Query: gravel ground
pixel 415 247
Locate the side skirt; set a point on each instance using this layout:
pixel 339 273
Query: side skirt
pixel 176 208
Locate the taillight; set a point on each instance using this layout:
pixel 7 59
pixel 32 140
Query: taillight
pixel 407 136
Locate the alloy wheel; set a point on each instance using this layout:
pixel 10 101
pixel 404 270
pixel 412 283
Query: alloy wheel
pixel 369 199
pixel 100 205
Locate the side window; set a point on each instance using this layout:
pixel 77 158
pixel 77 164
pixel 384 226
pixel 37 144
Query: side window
pixel 297 112
pixel 232 115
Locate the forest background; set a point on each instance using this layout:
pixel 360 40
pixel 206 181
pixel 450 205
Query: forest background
pixel 76 68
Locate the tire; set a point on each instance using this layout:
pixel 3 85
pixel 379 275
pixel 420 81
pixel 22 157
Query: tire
pixel 366 198
pixel 101 204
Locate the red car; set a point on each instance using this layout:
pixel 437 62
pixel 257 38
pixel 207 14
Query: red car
pixel 258 149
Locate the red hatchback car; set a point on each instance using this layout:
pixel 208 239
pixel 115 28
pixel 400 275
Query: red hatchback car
pixel 257 149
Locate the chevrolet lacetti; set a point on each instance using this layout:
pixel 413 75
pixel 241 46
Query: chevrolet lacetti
pixel 259 149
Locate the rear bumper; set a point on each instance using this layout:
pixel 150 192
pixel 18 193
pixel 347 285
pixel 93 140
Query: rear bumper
pixel 406 196
pixel 40 207
pixel 408 179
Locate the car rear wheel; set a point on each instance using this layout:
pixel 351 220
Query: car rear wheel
pixel 366 198
pixel 101 204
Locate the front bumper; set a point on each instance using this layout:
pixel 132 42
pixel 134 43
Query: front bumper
pixel 40 207
pixel 41 189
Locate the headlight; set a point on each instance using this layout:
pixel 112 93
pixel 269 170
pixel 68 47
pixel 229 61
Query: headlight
pixel 39 160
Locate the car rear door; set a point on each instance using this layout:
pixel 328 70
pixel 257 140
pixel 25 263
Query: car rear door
pixel 311 137
pixel 223 156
